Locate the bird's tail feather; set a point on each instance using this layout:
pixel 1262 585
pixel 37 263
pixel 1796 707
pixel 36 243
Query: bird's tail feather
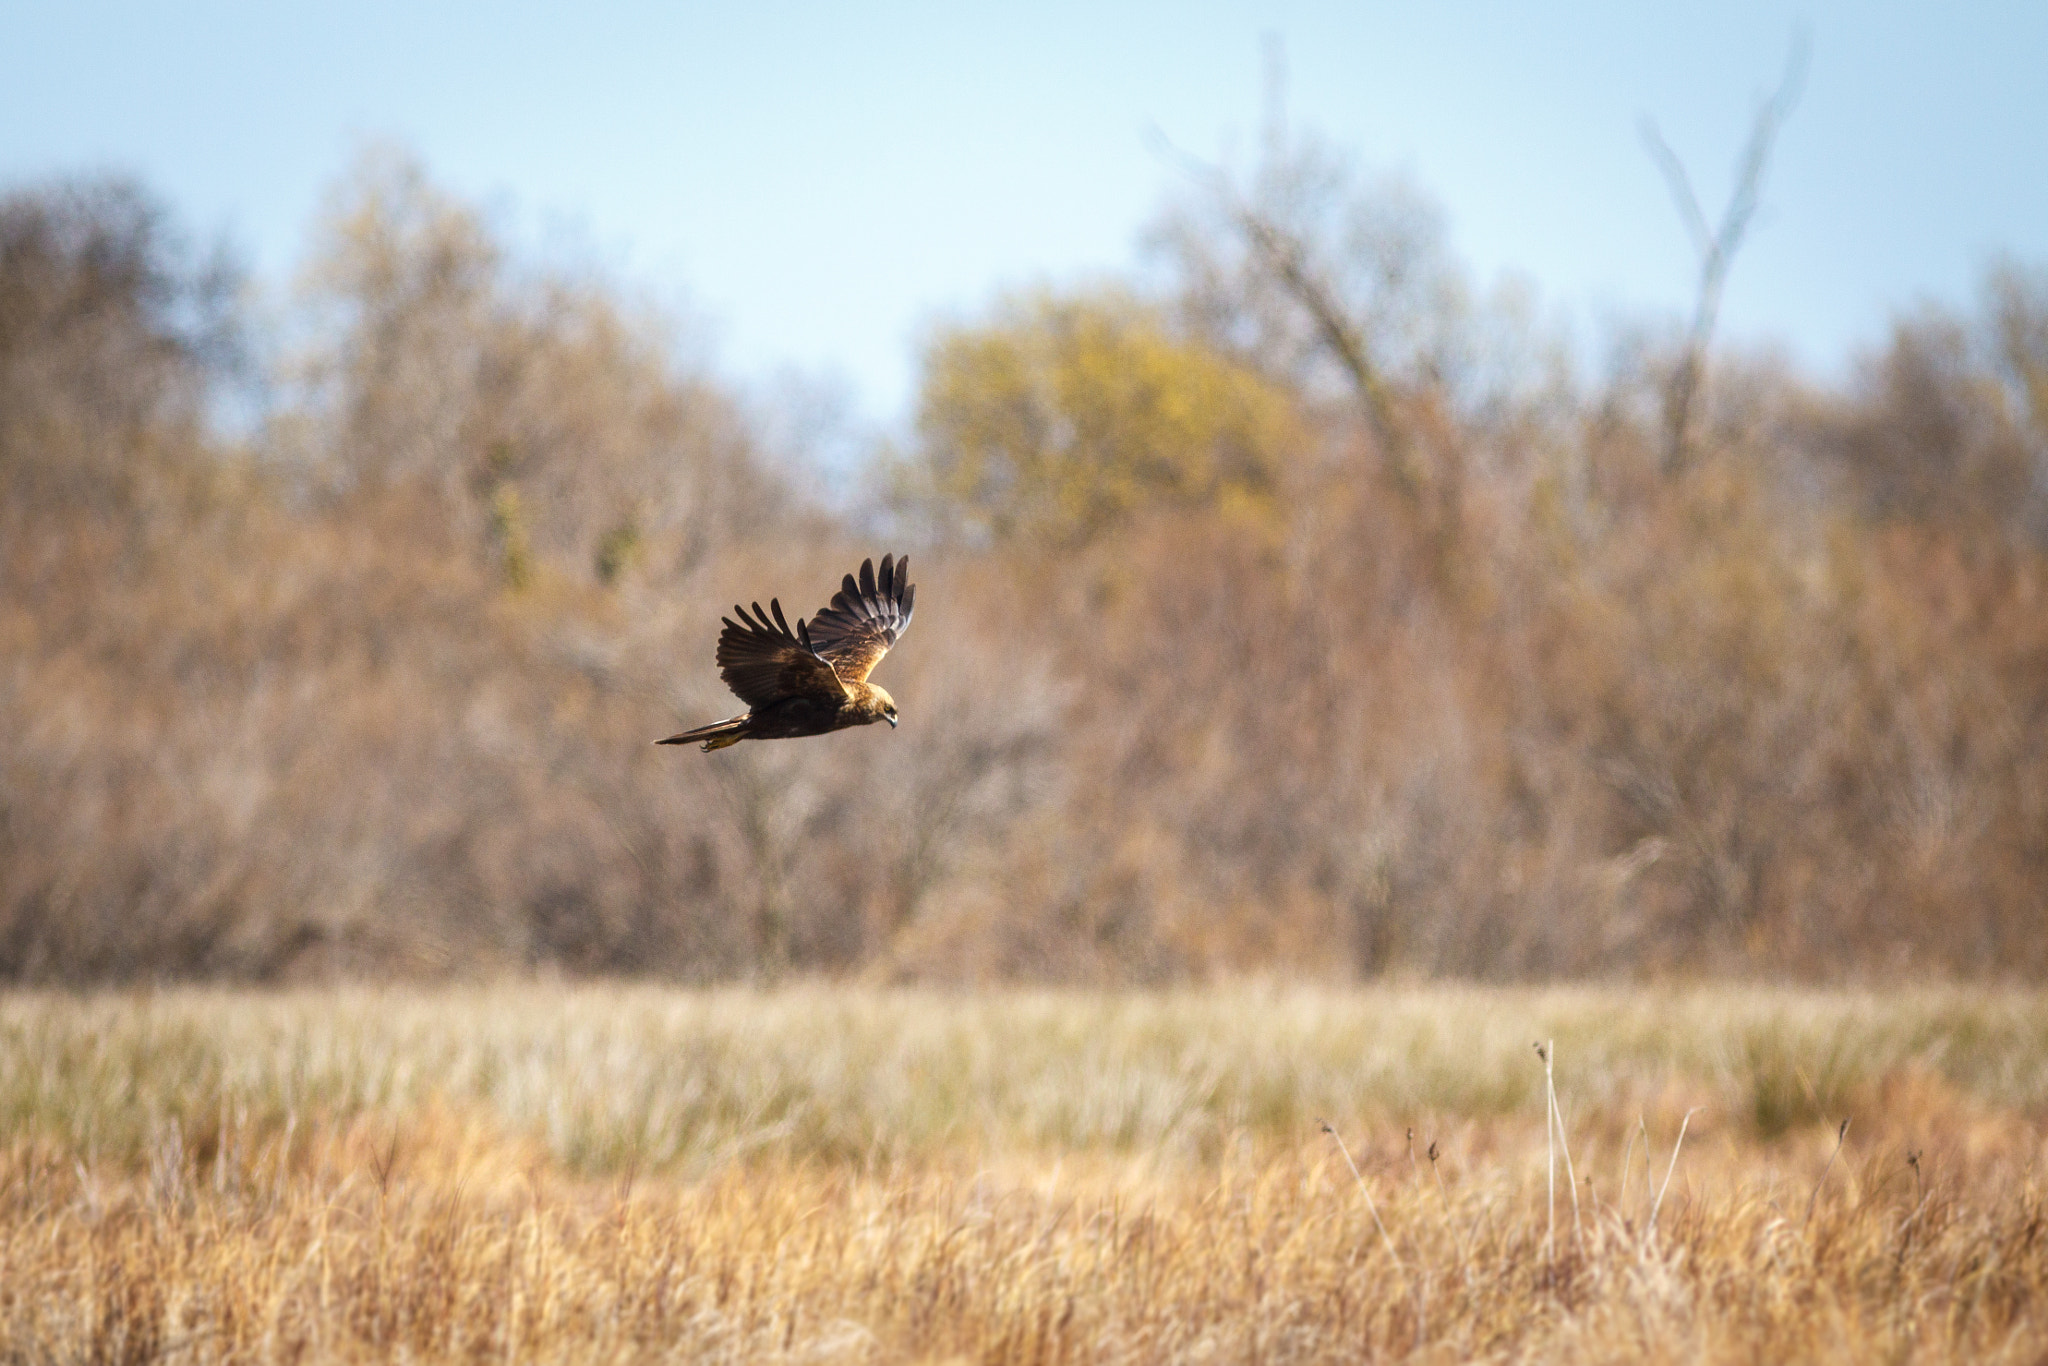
pixel 717 735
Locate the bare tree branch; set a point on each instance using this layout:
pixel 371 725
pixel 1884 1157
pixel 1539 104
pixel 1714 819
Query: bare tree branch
pixel 1680 184
pixel 1286 257
pixel 1717 248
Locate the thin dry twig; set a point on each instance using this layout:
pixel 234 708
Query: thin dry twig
pixel 1557 1120
pixel 1550 1161
pixel 1627 1153
pixel 1441 1189
pixel 1414 1284
pixel 1670 1169
pixel 1841 1137
pixel 1366 1191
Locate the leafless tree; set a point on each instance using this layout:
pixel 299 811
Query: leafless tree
pixel 1717 246
pixel 1359 267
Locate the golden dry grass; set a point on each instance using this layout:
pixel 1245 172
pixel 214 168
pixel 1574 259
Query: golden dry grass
pixel 539 1173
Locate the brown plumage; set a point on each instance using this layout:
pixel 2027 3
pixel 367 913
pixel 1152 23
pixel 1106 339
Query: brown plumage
pixel 812 680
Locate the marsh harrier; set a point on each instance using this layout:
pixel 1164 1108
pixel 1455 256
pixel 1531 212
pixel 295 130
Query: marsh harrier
pixel 815 679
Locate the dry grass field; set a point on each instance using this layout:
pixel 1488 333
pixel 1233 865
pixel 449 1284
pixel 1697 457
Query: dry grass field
pixel 541 1173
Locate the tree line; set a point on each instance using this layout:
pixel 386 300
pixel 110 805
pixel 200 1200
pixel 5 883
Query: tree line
pixel 1295 604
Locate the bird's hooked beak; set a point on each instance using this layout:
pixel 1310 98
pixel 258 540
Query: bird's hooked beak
pixel 891 720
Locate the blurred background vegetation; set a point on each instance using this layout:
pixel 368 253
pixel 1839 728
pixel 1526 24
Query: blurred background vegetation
pixel 1291 606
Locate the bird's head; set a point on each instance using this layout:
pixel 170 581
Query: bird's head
pixel 881 706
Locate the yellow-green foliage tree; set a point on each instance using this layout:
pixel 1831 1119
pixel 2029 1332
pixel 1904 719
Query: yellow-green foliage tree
pixel 1061 416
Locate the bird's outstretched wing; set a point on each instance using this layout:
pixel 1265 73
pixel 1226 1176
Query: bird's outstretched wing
pixel 764 663
pixel 865 618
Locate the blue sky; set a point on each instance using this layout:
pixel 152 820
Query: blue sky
pixel 821 181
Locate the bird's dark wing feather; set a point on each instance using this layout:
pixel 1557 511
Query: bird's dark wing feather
pixel 865 618
pixel 764 662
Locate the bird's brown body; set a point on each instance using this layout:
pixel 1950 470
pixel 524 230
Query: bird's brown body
pixel 792 718
pixel 813 680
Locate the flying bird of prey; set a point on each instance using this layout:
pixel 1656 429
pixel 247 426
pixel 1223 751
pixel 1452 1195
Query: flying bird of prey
pixel 815 679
